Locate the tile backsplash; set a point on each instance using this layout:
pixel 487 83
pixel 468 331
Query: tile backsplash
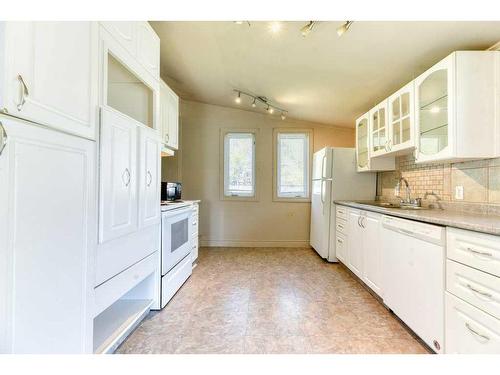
pixel 480 180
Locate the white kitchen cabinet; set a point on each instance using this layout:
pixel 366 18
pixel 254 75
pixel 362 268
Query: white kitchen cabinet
pixel 125 32
pixel 47 239
pixel 148 48
pixel 379 137
pixel 355 252
pixel 140 41
pixel 364 160
pixel 469 330
pixel 149 178
pixel 364 251
pixel 169 115
pixel 195 222
pixel 118 175
pixel 401 120
pixel 50 74
pixel 456 108
pixel 372 252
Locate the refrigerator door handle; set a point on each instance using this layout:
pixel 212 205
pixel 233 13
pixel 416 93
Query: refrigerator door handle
pixel 323 166
pixel 322 192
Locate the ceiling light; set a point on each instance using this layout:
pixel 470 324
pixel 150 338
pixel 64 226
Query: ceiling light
pixel 307 28
pixel 253 103
pixel 275 27
pixel 283 116
pixel 270 109
pixel 342 29
pixel 238 98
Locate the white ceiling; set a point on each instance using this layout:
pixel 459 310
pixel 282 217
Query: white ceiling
pixel 322 78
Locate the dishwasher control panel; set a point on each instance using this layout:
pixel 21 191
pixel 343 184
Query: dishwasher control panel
pixel 427 232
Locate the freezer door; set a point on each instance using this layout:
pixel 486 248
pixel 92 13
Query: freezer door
pixel 322 164
pixel 320 216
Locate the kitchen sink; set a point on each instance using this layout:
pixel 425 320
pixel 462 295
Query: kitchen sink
pixel 395 205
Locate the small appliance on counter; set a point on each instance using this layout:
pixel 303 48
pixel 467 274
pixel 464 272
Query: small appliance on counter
pixel 171 191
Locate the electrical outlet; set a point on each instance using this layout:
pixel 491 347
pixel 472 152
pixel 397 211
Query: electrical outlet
pixel 459 192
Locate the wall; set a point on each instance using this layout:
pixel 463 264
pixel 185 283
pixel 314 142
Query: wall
pixel 230 223
pixel 480 179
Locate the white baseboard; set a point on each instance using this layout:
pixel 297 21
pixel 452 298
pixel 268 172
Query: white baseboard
pixel 235 243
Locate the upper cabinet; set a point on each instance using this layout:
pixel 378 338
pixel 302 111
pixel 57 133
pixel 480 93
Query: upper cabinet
pixel 449 113
pixel 140 41
pixel 401 114
pixel 169 117
pixel 457 108
pixel 49 74
pixel 378 130
pixel 365 135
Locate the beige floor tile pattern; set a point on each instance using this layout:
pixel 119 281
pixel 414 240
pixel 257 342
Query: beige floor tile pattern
pixel 270 300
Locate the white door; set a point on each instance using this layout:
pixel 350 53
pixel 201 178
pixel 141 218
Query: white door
pixel 51 74
pixel 372 253
pixel 47 235
pixel 149 178
pixel 320 216
pixel 355 252
pixel 118 214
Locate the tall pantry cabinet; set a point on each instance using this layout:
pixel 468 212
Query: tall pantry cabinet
pixel 48 161
pixel 78 125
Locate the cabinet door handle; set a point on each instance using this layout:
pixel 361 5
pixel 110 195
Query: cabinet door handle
pixel 126 177
pixel 485 294
pixel 24 92
pixel 149 178
pixel 339 240
pixel 479 252
pixel 340 226
pixel 167 137
pixel 362 222
pixel 3 135
pixel 476 332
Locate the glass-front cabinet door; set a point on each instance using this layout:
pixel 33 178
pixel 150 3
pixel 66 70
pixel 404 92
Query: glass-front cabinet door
pixel 362 157
pixel 378 130
pixel 401 119
pixel 432 90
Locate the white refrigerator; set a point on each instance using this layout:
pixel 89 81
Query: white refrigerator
pixel 334 177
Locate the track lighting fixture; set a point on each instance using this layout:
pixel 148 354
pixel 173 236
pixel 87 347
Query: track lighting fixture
pixel 307 28
pixel 260 99
pixel 342 29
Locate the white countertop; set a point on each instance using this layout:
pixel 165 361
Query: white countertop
pixel 167 206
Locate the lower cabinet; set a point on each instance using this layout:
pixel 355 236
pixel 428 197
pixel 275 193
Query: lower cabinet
pixel 195 218
pixel 363 252
pixel 47 239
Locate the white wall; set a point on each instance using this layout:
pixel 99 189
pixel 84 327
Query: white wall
pixel 196 165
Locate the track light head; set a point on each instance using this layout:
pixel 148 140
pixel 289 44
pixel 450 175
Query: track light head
pixel 283 116
pixel 238 98
pixel 253 103
pixel 342 29
pixel 307 28
pixel 270 109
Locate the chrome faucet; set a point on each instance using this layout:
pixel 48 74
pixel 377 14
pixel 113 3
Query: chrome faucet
pixel 417 202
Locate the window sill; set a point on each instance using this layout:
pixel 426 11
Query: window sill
pixel 291 200
pixel 239 199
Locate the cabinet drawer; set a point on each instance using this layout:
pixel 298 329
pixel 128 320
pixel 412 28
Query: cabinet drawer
pixel 109 292
pixel 469 330
pixel 341 226
pixel 173 280
pixel 477 250
pixel 476 287
pixel 341 212
pixel 341 247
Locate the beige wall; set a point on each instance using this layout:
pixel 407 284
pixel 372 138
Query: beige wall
pixel 230 223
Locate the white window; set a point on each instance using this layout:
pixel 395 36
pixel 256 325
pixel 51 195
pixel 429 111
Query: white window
pixel 292 164
pixel 239 164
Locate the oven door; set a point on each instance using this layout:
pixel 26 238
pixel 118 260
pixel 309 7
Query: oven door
pixel 175 237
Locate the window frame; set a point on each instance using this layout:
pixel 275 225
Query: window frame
pixel 224 166
pixel 276 168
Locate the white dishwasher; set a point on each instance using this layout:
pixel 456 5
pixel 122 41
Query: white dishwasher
pixel 413 259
